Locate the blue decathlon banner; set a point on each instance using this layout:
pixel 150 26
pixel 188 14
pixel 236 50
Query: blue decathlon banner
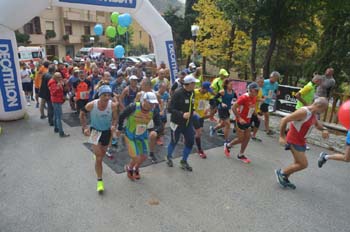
pixel 109 3
pixel 11 95
pixel 172 59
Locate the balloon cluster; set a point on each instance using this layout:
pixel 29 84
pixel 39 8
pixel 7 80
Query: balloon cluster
pixel 120 22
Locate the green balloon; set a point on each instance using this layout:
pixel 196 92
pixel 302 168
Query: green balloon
pixel 111 32
pixel 122 30
pixel 114 17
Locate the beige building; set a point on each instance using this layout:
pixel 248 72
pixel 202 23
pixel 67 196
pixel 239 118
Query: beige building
pixel 65 30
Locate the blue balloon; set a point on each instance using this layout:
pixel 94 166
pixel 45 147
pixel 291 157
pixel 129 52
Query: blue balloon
pixel 119 51
pixel 98 29
pixel 125 20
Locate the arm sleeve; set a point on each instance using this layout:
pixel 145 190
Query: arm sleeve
pixel 157 122
pixel 172 106
pixel 173 88
pixel 125 114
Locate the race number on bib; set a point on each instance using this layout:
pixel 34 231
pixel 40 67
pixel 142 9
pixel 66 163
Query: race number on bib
pixel 202 105
pixel 94 137
pixel 84 95
pixel 270 95
pixel 250 112
pixel 140 129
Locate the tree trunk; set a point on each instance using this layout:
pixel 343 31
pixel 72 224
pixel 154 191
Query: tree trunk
pixel 268 56
pixel 254 38
pixel 204 65
pixel 230 47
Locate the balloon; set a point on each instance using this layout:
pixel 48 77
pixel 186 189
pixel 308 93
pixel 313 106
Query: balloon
pixel 122 30
pixel 114 17
pixel 119 51
pixel 344 114
pixel 98 29
pixel 111 32
pixel 125 20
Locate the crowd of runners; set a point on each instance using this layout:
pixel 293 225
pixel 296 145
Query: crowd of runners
pixel 131 102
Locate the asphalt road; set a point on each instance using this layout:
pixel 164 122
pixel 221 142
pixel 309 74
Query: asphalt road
pixel 48 184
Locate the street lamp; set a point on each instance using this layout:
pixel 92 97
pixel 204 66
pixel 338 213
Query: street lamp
pixel 194 31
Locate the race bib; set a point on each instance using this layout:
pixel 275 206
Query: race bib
pixel 270 95
pixel 202 105
pixel 94 137
pixel 140 129
pixel 251 112
pixel 150 125
pixel 84 95
pixel 173 126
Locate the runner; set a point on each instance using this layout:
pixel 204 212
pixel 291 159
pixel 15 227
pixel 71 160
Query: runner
pixel 181 108
pixel 340 157
pixel 82 89
pixel 201 103
pixel 270 89
pixel 301 122
pixel 162 94
pixel 255 118
pixel 224 99
pixel 103 116
pixel 37 83
pixel 129 93
pixel 138 115
pixel 246 104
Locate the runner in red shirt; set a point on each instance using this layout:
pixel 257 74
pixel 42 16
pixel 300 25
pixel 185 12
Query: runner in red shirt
pixel 243 109
pixel 301 123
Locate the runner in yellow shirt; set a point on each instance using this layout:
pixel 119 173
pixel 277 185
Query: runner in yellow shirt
pixel 201 105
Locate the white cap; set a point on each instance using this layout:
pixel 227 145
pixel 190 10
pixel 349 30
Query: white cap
pixel 133 77
pixel 192 65
pixel 112 66
pixel 190 79
pixel 150 97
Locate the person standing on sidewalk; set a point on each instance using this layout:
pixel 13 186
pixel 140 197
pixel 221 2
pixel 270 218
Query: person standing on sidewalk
pixel 44 94
pixel 56 87
pixel 181 108
pixel 301 122
pixel 103 117
pixel 37 83
pixel 328 82
pixel 340 157
pixel 270 90
pixel 138 116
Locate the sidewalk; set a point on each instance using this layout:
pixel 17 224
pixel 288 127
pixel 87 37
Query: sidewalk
pixel 48 184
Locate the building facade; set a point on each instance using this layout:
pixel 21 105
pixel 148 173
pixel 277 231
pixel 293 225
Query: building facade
pixel 65 30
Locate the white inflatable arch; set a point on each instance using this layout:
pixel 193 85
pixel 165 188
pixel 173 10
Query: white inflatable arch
pixel 15 13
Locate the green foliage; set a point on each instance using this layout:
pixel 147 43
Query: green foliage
pixel 65 37
pixel 22 38
pixel 50 34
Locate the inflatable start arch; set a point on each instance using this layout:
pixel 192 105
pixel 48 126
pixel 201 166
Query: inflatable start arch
pixel 12 101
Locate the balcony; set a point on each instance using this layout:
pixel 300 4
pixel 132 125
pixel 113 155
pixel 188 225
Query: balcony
pixel 79 16
pixel 74 39
pixel 37 39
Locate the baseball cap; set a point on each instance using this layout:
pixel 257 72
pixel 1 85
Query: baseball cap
pixel 150 97
pixel 253 85
pixel 206 85
pixel 192 65
pixel 223 72
pixel 76 69
pixel 190 79
pixel 104 89
pixel 133 77
pixel 112 66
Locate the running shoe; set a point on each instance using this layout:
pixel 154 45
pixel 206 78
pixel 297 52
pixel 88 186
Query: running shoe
pixel 270 132
pixel 227 150
pixel 153 158
pixel 114 142
pixel 129 172
pixel 28 103
pixel 243 159
pixel 211 131
pixel 137 175
pixel 202 154
pixel 281 179
pixel 43 116
pixel 307 148
pixel 64 135
pixel 100 186
pixel 256 139
pixel 169 162
pixel 185 166
pixel 290 184
pixel 322 160
pixel 109 154
pixel 37 105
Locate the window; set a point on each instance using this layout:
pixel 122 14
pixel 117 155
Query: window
pixel 37 26
pixel 87 30
pixel 49 25
pixel 28 28
pixel 68 29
